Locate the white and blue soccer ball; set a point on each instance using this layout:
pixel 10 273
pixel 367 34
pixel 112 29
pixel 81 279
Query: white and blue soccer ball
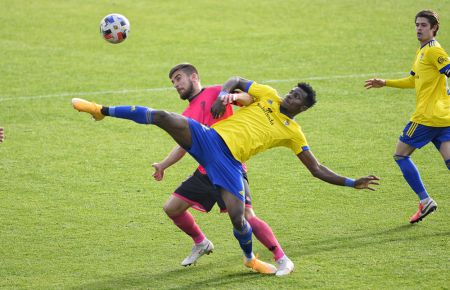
pixel 115 28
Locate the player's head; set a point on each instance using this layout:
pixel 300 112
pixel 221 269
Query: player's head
pixel 185 80
pixel 427 25
pixel 299 99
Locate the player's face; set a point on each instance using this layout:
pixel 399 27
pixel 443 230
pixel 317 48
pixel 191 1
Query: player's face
pixel 183 84
pixel 424 30
pixel 294 101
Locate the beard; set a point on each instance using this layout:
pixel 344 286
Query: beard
pixel 188 92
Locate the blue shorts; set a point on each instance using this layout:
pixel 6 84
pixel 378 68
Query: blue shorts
pixel 417 135
pixel 209 149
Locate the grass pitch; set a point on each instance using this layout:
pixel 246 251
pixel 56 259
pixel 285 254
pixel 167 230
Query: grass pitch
pixel 79 208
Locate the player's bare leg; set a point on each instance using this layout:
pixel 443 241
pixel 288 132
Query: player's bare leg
pixel 174 124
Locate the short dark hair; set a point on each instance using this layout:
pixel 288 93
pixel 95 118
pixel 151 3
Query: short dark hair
pixel 185 67
pixel 310 94
pixel 432 16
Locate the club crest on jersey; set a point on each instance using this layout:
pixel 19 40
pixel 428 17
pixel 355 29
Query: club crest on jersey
pixel 442 59
pixel 270 102
pixel 286 122
pixel 421 56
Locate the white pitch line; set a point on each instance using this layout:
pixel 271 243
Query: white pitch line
pixel 75 94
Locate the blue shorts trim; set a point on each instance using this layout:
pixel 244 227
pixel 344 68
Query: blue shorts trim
pixel 209 149
pixel 417 135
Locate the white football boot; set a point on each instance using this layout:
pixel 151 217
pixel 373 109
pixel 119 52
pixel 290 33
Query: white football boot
pixel 205 247
pixel 285 266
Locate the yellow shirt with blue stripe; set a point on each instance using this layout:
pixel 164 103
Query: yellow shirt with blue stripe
pixel 429 77
pixel 260 126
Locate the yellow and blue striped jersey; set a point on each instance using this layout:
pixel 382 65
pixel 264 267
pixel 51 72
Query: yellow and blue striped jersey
pixel 260 126
pixel 429 77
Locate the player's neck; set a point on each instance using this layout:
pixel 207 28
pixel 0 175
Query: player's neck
pixel 195 93
pixel 284 111
pixel 425 42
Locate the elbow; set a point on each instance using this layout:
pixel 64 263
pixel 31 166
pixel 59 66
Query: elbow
pixel 316 173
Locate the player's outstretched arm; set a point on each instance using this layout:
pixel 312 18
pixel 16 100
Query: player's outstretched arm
pixel 325 174
pixel 242 99
pixel 173 157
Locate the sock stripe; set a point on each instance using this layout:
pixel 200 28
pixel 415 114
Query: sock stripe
pixel 149 115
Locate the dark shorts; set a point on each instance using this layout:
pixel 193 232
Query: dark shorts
pixel 202 194
pixel 417 135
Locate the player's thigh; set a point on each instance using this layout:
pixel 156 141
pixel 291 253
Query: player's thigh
pixel 249 212
pixel 235 208
pixel 177 126
pixel 445 150
pixel 403 149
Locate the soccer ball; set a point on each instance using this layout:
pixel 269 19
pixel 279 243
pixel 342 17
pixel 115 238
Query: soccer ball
pixel 114 28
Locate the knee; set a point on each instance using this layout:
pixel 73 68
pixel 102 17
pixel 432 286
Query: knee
pixel 237 221
pixel 160 116
pixel 170 210
pixel 249 213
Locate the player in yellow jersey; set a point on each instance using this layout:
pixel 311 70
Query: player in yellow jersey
pixel 431 120
pixel 266 121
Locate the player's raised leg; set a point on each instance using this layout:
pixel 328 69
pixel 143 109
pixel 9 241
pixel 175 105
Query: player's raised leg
pixel 175 125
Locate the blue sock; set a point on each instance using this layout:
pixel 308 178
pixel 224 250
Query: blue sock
pixel 141 115
pixel 244 238
pixel 447 162
pixel 411 174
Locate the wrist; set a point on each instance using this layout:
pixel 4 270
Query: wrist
pixel 222 94
pixel 349 182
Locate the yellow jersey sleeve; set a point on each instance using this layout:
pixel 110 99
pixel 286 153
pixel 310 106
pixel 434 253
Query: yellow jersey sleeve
pixel 439 58
pixel 404 83
pixel 260 92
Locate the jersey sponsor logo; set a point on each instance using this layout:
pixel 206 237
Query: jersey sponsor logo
pixel 267 112
pixel 442 59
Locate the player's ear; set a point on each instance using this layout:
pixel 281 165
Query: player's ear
pixel 195 77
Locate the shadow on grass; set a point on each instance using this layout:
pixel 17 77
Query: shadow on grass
pixel 192 277
pixel 365 239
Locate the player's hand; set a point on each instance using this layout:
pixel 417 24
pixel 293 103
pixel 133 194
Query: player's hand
pixel 217 109
pixel 374 83
pixel 228 99
pixel 158 175
pixel 366 182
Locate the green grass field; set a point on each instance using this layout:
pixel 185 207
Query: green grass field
pixel 80 210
